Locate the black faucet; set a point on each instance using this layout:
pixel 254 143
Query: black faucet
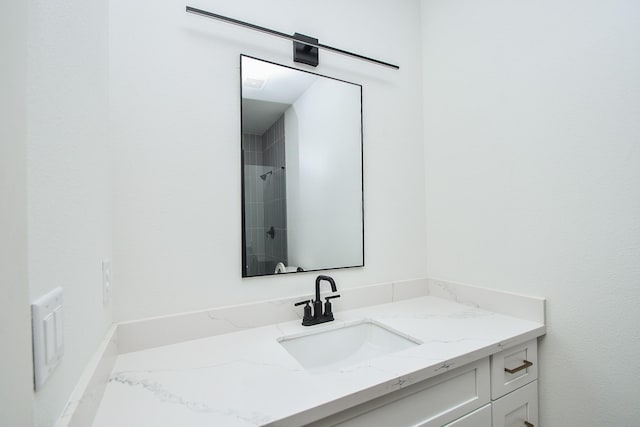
pixel 318 315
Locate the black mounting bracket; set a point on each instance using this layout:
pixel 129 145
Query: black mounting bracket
pixel 304 53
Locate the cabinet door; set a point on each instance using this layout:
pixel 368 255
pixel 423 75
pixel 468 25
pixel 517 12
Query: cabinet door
pixel 478 418
pixel 518 408
pixel 430 403
pixel 514 367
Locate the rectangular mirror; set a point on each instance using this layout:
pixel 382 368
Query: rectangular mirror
pixel 302 192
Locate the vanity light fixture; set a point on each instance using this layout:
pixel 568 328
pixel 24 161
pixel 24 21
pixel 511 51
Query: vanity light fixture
pixel 305 48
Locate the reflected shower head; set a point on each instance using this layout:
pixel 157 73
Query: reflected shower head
pixel 264 175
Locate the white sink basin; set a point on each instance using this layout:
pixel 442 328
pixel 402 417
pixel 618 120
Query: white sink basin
pixel 344 345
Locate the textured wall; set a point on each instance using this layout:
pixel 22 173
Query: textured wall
pixel 68 179
pixel 533 181
pixel 175 121
pixel 15 318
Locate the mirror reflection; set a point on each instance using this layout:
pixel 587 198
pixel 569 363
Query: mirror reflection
pixel 301 170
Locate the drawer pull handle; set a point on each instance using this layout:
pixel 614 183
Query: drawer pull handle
pixel 525 364
pixel 528 424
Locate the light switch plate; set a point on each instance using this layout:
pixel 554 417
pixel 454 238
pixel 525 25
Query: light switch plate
pixel 48 335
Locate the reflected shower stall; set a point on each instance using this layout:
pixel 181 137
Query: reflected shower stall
pixel 265 205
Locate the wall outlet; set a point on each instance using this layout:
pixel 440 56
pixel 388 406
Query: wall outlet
pixel 48 335
pixel 106 282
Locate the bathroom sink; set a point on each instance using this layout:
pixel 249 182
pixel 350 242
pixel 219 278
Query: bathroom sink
pixel 344 345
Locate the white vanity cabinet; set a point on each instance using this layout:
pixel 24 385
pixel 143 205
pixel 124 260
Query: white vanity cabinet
pixel 514 386
pixel 478 418
pixel 498 391
pixel 429 403
pixel 514 367
pixel 518 408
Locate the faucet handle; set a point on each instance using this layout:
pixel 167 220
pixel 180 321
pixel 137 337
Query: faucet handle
pixel 327 306
pixel 307 319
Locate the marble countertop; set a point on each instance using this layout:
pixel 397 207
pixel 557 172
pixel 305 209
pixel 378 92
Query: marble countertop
pixel 247 378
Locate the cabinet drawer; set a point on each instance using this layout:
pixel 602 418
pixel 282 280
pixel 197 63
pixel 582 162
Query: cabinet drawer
pixel 513 368
pixel 478 418
pixel 432 402
pixel 517 409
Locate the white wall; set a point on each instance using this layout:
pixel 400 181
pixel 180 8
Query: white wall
pixel 16 381
pixel 324 176
pixel 175 111
pixel 68 176
pixel 533 181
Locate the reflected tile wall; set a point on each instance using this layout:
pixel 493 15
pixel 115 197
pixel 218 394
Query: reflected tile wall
pixel 265 199
pixel 253 202
pixel 273 141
